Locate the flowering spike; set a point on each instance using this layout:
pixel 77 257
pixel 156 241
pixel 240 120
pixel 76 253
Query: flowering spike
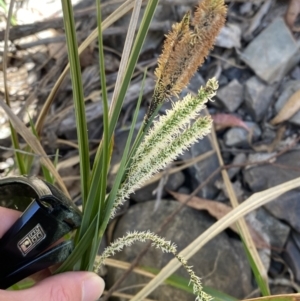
pixel 143 170
pixel 185 49
pixel 160 243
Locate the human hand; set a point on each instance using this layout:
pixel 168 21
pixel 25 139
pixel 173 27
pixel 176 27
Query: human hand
pixel 70 286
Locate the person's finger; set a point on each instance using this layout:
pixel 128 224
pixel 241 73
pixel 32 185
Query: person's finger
pixel 75 286
pixel 7 219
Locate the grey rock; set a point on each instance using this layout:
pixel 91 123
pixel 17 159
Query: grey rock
pixel 201 170
pixel 258 97
pixel 262 53
pixel 196 82
pixel 291 256
pixel 265 176
pixel 231 95
pixel 222 255
pixel 286 206
pixel 238 137
pixel 229 36
pixel 276 230
pixel 246 8
pixel 148 192
pixel 289 89
pixel 238 159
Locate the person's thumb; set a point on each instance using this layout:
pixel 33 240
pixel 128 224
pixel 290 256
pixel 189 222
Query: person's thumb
pixel 71 286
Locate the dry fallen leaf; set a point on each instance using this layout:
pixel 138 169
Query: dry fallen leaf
pixel 218 210
pixel 290 108
pixel 222 121
pixel 292 13
pixel 34 143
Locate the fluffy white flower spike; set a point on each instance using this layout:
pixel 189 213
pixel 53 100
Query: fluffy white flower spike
pixel 160 243
pixel 170 136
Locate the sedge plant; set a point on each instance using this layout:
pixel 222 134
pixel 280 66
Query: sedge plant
pixel 158 142
pixel 160 139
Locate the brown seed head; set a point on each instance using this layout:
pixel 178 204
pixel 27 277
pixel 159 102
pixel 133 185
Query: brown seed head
pixel 185 49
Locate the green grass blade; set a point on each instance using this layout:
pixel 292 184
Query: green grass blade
pixel 139 41
pixel 98 185
pixel 19 157
pixel 264 288
pixel 98 203
pixel 122 169
pixel 78 97
pixel 79 249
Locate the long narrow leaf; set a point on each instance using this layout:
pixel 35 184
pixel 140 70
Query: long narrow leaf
pixel 115 112
pixel 34 143
pixel 105 154
pixel 77 96
pixel 122 169
pixel 79 249
pixel 263 286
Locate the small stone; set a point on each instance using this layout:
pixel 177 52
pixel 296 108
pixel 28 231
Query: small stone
pixel 290 88
pixel 238 159
pixel 223 80
pixel 238 137
pixel 276 230
pixel 231 95
pixel 258 97
pixel 196 82
pixel 229 36
pixel 246 8
pixel 262 53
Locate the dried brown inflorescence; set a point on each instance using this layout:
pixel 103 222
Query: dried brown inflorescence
pixel 185 49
